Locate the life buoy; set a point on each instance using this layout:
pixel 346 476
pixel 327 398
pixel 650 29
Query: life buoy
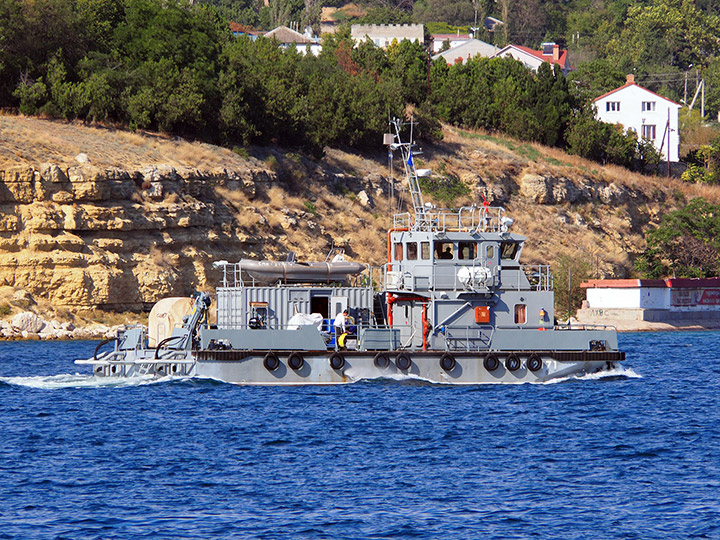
pixel 447 362
pixel 403 361
pixel 381 360
pixel 491 362
pixel 296 361
pixel 534 362
pixel 337 361
pixel 271 361
pixel 512 362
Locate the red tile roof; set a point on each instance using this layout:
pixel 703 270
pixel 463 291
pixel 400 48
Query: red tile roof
pixel 562 57
pixel 672 283
pixel 632 83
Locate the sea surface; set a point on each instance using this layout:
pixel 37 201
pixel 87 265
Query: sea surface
pixel 632 455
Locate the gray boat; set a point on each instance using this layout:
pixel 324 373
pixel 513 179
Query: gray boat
pixel 455 306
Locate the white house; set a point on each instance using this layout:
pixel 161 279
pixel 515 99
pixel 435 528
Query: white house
pixel 466 50
pixel 438 40
pixel 648 114
pixel 382 35
pixel 533 59
pixel 303 42
pixel 673 300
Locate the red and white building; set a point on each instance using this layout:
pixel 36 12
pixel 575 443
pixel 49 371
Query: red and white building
pixel 533 59
pixel 648 114
pixel 675 301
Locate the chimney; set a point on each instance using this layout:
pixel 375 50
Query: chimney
pixel 631 79
pixel 556 53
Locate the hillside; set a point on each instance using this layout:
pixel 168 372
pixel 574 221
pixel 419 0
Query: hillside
pixel 99 218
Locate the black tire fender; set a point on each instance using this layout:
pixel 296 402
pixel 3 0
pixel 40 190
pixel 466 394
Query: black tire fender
pixel 534 362
pixel 491 362
pixel 381 360
pixel 271 361
pixel 295 361
pixel 512 362
pixel 403 361
pixel 447 362
pixel 337 361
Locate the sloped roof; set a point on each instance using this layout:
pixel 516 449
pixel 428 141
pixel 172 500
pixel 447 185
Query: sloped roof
pixel 631 82
pixel 466 50
pixel 670 283
pixel 562 56
pixel 286 35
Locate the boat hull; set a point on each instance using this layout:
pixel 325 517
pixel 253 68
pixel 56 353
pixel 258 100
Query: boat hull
pixel 330 367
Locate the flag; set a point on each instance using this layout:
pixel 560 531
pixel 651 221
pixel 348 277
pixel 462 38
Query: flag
pixel 410 161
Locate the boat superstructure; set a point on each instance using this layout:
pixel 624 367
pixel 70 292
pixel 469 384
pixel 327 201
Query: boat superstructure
pixel 454 305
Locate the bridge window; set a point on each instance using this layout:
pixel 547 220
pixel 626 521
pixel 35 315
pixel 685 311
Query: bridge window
pixel 444 250
pixel 466 250
pixel 490 253
pixel 425 250
pixel 398 251
pixel 412 251
pixel 520 313
pixel 508 250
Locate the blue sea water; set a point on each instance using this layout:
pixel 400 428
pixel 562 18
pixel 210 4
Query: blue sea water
pixel 633 455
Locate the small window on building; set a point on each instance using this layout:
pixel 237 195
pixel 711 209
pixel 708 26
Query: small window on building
pixel 520 313
pixel 425 250
pixel 648 132
pixel 648 106
pixel 443 250
pixel 612 106
pixel 466 250
pixel 398 251
pixel 508 250
pixel 412 251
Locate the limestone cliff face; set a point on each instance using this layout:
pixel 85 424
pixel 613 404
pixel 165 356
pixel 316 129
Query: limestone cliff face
pixel 86 237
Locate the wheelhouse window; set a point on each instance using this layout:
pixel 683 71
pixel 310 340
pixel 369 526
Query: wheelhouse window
pixel 612 106
pixel 490 252
pixel 444 250
pixel 425 250
pixel 520 313
pixel 398 251
pixel 412 251
pixel 466 250
pixel 508 250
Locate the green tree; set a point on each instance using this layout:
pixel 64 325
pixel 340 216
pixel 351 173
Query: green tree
pixel 569 271
pixel 685 244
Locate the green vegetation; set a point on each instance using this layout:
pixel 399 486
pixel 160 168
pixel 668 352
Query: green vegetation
pixel 686 244
pixel 311 208
pixel 444 190
pixel 576 268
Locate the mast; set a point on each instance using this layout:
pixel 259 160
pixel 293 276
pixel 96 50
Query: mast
pixel 406 149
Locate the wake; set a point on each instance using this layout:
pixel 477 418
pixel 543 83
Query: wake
pixel 66 380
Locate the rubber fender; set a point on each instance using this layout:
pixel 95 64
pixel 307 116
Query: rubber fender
pixel 296 361
pixel 271 361
pixel 403 361
pixel 447 362
pixel 337 361
pixel 534 362
pixel 381 360
pixel 512 362
pixel 491 362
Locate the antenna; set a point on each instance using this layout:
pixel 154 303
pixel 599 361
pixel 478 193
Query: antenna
pixel 406 150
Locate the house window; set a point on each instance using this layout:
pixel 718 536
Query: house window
pixel 520 314
pixel 648 132
pixel 612 106
pixel 648 106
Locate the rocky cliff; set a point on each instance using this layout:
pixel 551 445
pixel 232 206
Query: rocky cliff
pixel 88 232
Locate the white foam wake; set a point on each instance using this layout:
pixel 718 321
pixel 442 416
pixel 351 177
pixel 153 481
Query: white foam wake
pixel 618 372
pixel 66 380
